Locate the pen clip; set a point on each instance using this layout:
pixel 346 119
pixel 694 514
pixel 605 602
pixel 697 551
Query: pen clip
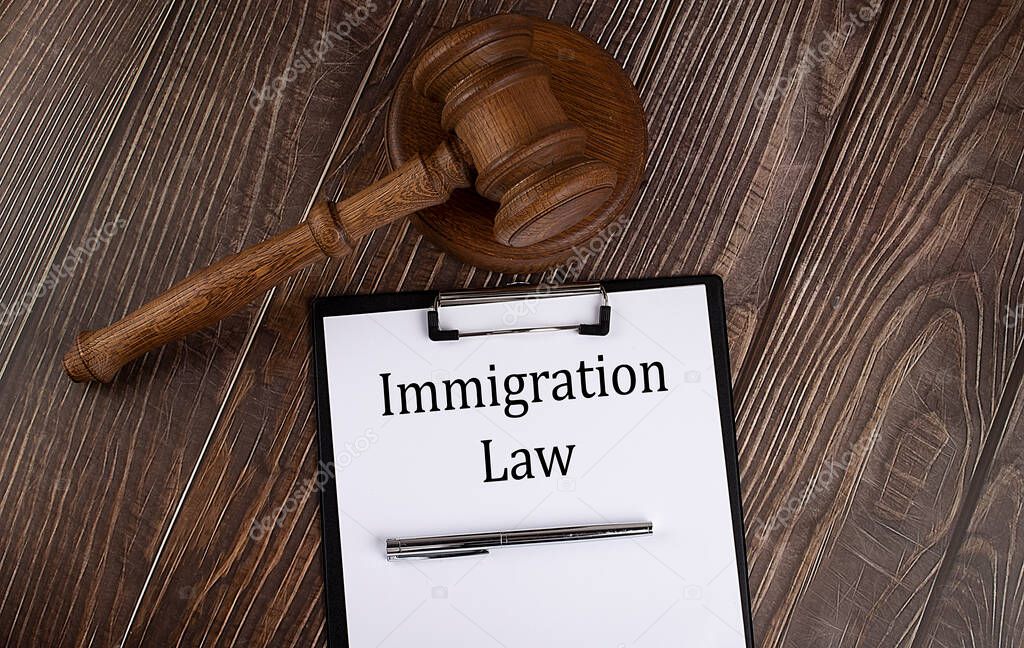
pixel 440 553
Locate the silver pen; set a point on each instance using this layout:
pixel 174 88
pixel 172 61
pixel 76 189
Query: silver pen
pixel 474 544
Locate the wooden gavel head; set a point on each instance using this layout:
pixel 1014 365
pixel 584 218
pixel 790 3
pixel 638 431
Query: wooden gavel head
pixel 528 155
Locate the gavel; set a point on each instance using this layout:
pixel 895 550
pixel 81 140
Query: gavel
pixel 508 137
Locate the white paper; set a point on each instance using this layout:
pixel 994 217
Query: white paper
pixel 654 456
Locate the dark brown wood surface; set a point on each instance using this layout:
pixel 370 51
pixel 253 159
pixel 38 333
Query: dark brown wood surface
pixel 853 174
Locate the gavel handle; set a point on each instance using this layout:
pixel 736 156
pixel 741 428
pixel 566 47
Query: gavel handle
pixel 211 294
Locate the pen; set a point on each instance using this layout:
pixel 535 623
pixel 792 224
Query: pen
pixel 474 544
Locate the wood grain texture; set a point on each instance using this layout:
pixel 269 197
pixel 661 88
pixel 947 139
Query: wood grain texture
pixel 67 71
pixel 738 197
pixel 876 389
pixel 188 172
pixel 66 75
pixel 980 603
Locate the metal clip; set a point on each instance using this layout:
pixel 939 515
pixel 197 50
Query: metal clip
pixel 514 293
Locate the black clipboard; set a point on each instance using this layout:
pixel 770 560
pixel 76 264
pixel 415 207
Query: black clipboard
pixel 324 307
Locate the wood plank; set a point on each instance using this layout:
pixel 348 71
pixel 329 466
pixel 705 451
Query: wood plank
pixel 214 581
pixel 980 604
pixel 866 408
pixel 91 475
pixel 67 72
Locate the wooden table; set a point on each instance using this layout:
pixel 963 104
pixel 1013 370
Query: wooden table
pixel 854 174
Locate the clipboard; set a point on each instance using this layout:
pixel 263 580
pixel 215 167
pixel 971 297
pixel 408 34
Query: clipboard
pixel 376 358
